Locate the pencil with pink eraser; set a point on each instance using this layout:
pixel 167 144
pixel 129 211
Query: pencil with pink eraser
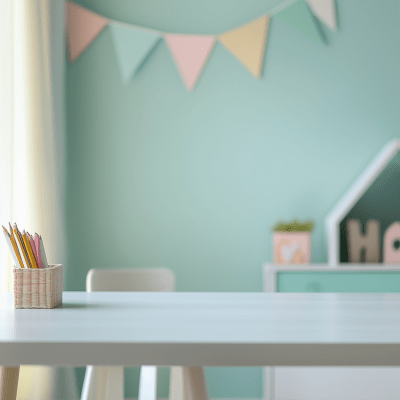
pixel 33 247
pixel 38 252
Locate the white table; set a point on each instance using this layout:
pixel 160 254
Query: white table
pixel 202 329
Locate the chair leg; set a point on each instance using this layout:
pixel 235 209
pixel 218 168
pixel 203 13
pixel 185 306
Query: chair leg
pixel 94 384
pixel 188 383
pixel 148 383
pixel 103 383
pixel 195 387
pixel 114 383
pixel 8 383
pixel 176 384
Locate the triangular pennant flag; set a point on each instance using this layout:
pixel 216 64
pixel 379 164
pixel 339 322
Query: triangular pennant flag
pixel 247 44
pixel 132 47
pixel 190 53
pixel 83 26
pixel 325 11
pixel 299 17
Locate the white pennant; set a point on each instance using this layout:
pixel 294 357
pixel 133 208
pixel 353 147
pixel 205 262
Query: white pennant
pixel 324 10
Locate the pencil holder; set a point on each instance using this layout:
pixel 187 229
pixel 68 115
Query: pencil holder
pixel 38 287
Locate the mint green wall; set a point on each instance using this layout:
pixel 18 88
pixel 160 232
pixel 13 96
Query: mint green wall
pixel 195 181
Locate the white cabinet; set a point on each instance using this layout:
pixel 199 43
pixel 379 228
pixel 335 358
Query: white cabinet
pixel 330 383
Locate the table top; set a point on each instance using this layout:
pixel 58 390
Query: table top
pixel 214 329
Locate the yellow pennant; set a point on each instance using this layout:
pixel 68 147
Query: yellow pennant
pixel 247 44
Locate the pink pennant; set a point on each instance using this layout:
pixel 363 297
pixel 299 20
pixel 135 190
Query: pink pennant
pixel 83 26
pixel 190 53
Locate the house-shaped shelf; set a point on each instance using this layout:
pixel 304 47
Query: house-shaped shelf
pixel 375 195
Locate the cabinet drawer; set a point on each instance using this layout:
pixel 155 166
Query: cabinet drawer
pixel 356 282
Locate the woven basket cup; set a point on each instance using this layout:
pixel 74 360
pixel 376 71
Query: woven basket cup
pixel 38 287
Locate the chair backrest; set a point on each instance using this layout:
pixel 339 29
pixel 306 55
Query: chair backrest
pixel 130 280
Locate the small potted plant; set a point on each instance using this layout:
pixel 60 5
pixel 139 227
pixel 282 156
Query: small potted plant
pixel 291 242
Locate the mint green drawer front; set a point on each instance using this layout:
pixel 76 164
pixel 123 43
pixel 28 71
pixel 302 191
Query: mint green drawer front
pixel 355 282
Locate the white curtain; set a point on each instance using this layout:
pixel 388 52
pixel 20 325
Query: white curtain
pixel 32 139
pixel 32 152
pixel 37 183
pixel 6 136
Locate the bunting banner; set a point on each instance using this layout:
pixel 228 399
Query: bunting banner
pixel 247 43
pixel 132 47
pixel 190 53
pixel 325 11
pixel 83 26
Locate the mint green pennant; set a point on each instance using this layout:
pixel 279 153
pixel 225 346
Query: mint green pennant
pixel 132 47
pixel 299 17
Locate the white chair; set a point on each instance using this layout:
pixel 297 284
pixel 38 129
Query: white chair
pixel 107 383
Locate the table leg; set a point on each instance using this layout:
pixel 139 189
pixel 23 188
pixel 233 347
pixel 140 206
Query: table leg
pixel 8 383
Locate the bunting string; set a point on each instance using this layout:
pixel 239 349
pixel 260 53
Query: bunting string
pixel 246 43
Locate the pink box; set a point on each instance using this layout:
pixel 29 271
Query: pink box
pixel 291 247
